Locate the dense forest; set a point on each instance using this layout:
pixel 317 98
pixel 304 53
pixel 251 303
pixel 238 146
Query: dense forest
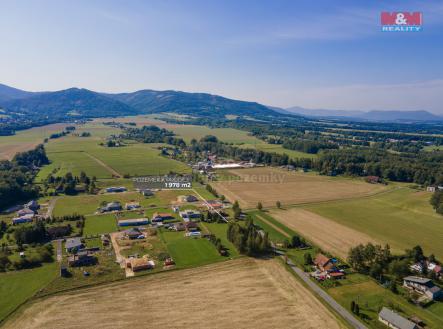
pixel 16 176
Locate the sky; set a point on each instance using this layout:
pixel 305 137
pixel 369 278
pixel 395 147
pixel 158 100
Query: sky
pixel 313 54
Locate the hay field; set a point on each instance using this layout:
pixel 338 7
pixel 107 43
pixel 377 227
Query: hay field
pixel 25 140
pixel 325 233
pixel 268 185
pixel 243 293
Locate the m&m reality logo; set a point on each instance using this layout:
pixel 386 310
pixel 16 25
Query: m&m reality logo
pixel 401 21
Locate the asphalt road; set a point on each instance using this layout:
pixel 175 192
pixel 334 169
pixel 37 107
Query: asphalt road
pixel 328 299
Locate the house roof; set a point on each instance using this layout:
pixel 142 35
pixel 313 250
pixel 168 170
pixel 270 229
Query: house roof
pixel 73 243
pixel 417 279
pixel 133 231
pixel 191 225
pixel 395 319
pixel 434 289
pixel 321 259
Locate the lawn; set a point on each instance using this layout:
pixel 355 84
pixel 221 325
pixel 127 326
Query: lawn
pixel 402 217
pixel 188 252
pixel 277 148
pixel 99 224
pixel 227 135
pixel 220 231
pixel 17 287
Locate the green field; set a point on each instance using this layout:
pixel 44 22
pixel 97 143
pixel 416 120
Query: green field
pixel 220 231
pixel 99 224
pixel 401 217
pixel 189 251
pixel 17 287
pixel 371 297
pixel 277 148
pixel 227 135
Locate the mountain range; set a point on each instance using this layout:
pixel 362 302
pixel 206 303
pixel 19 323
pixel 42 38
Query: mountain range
pixel 75 102
pixel 385 116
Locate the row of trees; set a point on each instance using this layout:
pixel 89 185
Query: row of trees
pixel 153 134
pixel 68 183
pixel 248 239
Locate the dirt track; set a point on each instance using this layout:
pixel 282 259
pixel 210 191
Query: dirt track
pixel 244 293
pixel 327 234
pixel 269 185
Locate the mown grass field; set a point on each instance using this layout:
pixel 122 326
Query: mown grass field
pixel 17 287
pixel 403 218
pixel 189 251
pixel 277 148
pixel 100 224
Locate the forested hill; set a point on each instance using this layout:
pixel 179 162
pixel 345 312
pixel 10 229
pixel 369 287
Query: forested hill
pixel 78 103
pixel 199 104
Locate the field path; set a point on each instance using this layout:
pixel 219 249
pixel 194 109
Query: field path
pixel 324 232
pixel 278 229
pixel 242 293
pixel 104 165
pixel 51 206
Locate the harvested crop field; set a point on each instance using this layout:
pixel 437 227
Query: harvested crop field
pixel 244 293
pixel 268 185
pixel 325 233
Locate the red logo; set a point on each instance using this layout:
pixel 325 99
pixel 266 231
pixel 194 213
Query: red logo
pixel 401 18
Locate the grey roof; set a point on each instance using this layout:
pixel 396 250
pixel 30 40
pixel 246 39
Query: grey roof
pixel 73 243
pixel 417 279
pixel 395 319
pixel 434 289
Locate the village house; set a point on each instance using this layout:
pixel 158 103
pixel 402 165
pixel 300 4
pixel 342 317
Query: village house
pixel 133 233
pixel 189 215
pixel 23 219
pixel 114 189
pixel 111 206
pixel 73 244
pixel 214 204
pixel 160 217
pixel 179 226
pixel 326 268
pixel 191 226
pixel 82 258
pixel 33 205
pixel 25 211
pixel 430 189
pixel 423 286
pixel 187 198
pixel 139 264
pixel 394 320
pixel 146 192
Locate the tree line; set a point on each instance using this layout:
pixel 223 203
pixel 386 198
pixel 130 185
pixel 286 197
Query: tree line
pixel 248 239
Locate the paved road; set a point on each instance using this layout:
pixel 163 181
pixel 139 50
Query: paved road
pixel 328 299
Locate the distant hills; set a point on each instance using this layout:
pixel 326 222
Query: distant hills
pixel 75 102
pixel 385 116
pixel 87 103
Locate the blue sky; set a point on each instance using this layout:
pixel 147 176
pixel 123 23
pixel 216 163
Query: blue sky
pixel 315 54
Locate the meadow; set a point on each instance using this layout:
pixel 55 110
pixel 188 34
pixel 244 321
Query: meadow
pixel 99 224
pixel 401 217
pixel 277 148
pixel 17 287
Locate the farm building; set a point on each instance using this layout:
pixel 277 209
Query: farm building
pixel 394 320
pixel 23 219
pixel 423 286
pixel 81 259
pixel 188 215
pixel 324 263
pixel 191 226
pixel 160 217
pixel 133 233
pixel 114 189
pixel 187 198
pixel 372 179
pixel 132 205
pixel 25 211
pixel 139 264
pixel 33 205
pixel 133 222
pixel 227 166
pixel 73 244
pixel 111 206
pixel 195 234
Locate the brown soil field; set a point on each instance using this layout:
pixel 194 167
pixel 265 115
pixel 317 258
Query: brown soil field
pixel 243 293
pixel 268 185
pixel 325 233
